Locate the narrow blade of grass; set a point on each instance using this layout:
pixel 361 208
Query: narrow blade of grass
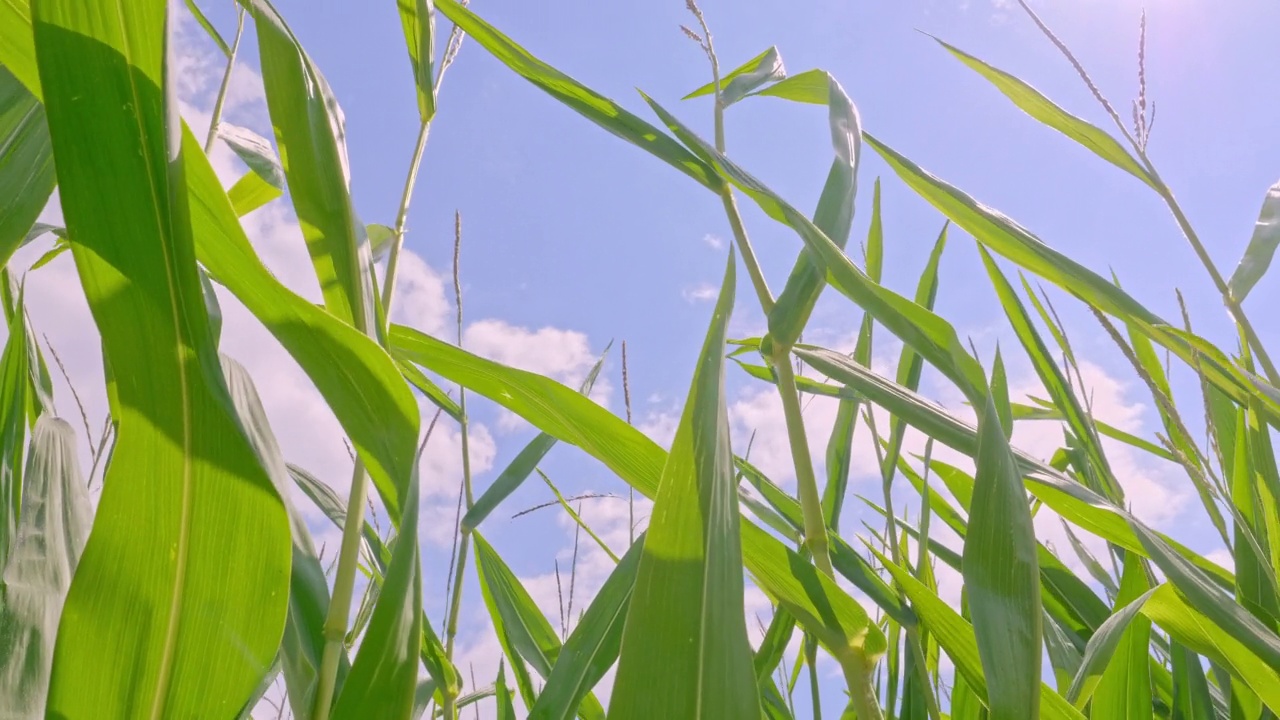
pixel 1262 247
pixel 1124 689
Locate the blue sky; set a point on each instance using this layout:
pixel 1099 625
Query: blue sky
pixel 573 238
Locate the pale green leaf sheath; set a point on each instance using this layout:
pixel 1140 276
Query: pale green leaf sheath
pixel 56 517
pixel 685 631
pixel 185 574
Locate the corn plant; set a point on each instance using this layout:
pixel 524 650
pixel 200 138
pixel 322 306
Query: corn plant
pixel 196 584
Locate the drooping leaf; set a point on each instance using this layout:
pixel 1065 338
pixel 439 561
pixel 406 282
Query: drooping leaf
pixel 186 570
pixel 759 70
pixel 834 217
pixel 930 335
pixel 1004 236
pixel 311 132
pixel 686 631
pixel 595 107
pixel 356 377
pixel 510 479
pixel 56 519
pixel 302 647
pixel 26 162
pixel 1262 247
pixel 255 151
pixel 593 645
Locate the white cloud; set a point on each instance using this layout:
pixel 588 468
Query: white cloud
pixel 703 292
pixel 715 242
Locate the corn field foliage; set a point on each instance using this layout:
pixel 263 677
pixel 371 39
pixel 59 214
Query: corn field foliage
pixel 194 586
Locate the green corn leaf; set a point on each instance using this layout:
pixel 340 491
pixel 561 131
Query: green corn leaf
pixel 759 70
pixel 15 398
pixel 523 630
pixel 510 479
pixel 1004 236
pixel 256 152
pixel 809 86
pixel 303 643
pixel 432 651
pixel 26 161
pixel 1191 698
pixel 429 389
pixel 1030 101
pixel 1199 590
pixel 1045 411
pixel 813 599
pixel 930 335
pixel 363 388
pixel 571 418
pixel 686 631
pixel 202 619
pixel 1124 690
pixel 384 674
pixel 1262 247
pixel 776 638
pixel 1002 577
pixel 1103 646
pixel 209 29
pixel 1199 633
pixel 593 645
pixel 55 524
pixel 418 17
pixel 910 363
pixel 1064 656
pixel 839 453
pixel 956 636
pixel 833 216
pixel 506 709
pixel 1255 506
pixel 590 104
pixel 311 133
pixel 1053 379
pixel 1066 598
pixel 1073 501
pixel 251 192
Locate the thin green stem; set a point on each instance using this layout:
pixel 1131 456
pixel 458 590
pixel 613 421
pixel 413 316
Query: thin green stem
pixel 335 623
pixel 226 83
pixel 811 659
pixel 455 602
pixel 402 218
pixel 815 527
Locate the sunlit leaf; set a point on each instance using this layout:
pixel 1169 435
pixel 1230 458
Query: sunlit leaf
pixel 685 631
pixel 201 620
